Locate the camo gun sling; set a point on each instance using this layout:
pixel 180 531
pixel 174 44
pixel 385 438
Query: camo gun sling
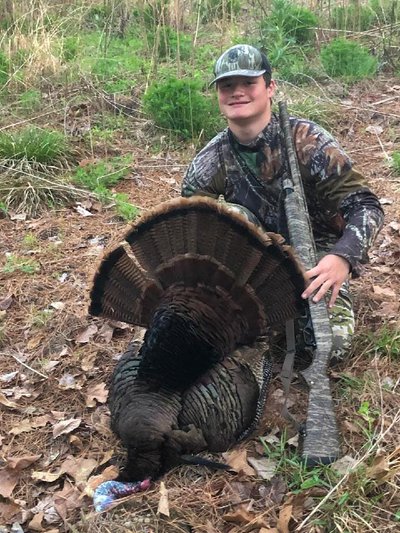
pixel 321 441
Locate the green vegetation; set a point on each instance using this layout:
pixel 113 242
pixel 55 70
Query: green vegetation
pixel 286 34
pixel 4 66
pixel 348 59
pixel 30 100
pixel 20 264
pixel 292 468
pixel 99 176
pixel 385 342
pixel 212 10
pixel 30 241
pixel 34 145
pixel 354 17
pixel 295 22
pixel 396 162
pixel 179 106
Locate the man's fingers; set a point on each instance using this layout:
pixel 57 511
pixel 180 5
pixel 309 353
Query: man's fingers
pixel 313 287
pixel 334 295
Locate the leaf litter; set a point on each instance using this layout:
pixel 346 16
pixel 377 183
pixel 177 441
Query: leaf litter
pixel 60 422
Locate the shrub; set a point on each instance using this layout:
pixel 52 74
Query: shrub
pixel 348 59
pixel 34 145
pixel 179 106
pixel 295 23
pixel 354 17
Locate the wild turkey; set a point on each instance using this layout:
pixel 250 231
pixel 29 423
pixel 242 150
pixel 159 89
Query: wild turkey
pixel 204 281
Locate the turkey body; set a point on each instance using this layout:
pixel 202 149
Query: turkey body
pixel 203 281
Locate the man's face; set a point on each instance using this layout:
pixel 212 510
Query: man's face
pixel 244 99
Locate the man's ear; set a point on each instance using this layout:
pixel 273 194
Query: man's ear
pixel 271 88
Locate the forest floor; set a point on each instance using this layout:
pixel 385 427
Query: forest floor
pixel 56 361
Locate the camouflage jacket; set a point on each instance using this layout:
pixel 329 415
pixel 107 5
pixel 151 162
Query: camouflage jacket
pixel 345 215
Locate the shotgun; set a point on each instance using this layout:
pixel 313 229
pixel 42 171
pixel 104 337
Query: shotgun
pixel 321 439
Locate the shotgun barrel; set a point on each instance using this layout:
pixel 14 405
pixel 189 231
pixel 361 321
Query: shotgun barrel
pixel 321 440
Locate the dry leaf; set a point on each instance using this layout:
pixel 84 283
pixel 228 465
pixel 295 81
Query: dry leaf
pixel 7 403
pixel 47 477
pixel 109 473
pixel 344 465
pixel 5 303
pixel 9 377
pixel 384 291
pixel 97 392
pixel 66 426
pixel 67 500
pixel 36 523
pixel 237 460
pixel 106 332
pixel 9 512
pixel 76 442
pixel 68 381
pixel 88 362
pixel 82 211
pixel 285 514
pixel 19 463
pixel 46 506
pixel 86 335
pixel 8 480
pixel 264 467
pixel 57 305
pixel 376 130
pixel 23 427
pixel 79 469
pixel 242 517
pixel 163 504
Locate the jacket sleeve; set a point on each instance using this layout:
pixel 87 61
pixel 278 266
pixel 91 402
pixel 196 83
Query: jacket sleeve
pixel 205 175
pixel 363 216
pixel 343 191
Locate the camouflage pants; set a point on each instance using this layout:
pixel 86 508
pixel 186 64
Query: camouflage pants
pixel 341 317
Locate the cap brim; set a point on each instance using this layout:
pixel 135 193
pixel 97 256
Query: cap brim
pixel 244 73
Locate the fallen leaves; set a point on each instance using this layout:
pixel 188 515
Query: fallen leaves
pixel 65 426
pixel 7 403
pixel 10 475
pixel 163 504
pixel 96 393
pixel 237 460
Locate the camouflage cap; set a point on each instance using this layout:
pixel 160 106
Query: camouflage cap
pixel 241 60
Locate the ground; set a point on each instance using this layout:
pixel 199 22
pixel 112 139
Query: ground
pixel 56 362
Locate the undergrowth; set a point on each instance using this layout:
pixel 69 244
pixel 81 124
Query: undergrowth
pixel 33 144
pixel 348 59
pixel 100 176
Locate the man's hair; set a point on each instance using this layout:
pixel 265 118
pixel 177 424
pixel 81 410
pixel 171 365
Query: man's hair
pixel 267 77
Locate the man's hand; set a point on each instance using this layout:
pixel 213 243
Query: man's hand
pixel 330 273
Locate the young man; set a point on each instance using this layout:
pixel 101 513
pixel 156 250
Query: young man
pixel 244 163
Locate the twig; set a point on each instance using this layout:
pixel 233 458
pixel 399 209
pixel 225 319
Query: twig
pixel 27 120
pixel 25 365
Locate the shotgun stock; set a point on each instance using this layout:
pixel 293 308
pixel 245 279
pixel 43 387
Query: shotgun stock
pixel 321 440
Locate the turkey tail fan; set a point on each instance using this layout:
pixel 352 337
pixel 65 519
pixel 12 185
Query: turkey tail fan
pixel 197 242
